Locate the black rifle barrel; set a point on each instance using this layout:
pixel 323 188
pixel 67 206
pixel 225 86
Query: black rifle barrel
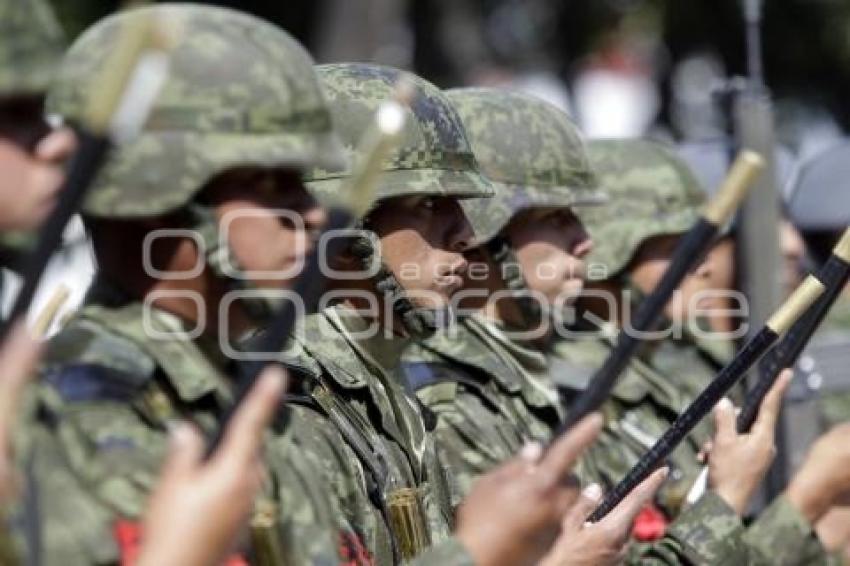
pixel 834 275
pixel 689 252
pixel 779 323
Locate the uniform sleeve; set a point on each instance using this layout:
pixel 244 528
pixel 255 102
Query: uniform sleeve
pixel 708 532
pixel 781 536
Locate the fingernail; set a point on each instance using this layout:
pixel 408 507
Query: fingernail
pixel 725 404
pixel 272 378
pixel 665 471
pixel 179 434
pixel 593 492
pixel 597 419
pixel 531 452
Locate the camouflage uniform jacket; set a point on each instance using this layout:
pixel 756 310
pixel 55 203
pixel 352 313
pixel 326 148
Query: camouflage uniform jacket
pixel 354 414
pixel 490 395
pixel 644 404
pixel 109 393
pixel 692 361
pixel 827 352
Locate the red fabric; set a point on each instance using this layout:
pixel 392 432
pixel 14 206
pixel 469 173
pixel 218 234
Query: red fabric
pixel 128 535
pixel 649 525
pixel 352 551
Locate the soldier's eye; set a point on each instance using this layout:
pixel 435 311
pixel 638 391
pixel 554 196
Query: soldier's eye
pixel 430 203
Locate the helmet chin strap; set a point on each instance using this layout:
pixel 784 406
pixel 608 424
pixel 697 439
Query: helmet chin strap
pixel 502 253
pixel 419 322
pixel 261 307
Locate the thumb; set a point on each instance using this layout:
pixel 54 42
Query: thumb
pixel 622 517
pixel 724 421
pixel 770 407
pixel 583 507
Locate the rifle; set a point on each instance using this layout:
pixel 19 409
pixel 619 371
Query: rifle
pixel 689 252
pixel 834 275
pixel 122 98
pixel 797 304
pixel 377 144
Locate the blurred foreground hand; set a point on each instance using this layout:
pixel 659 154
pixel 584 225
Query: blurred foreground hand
pixel 199 508
pixel 19 355
pixel 514 513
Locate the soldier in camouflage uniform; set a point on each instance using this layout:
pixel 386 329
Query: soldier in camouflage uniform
pixel 654 195
pixel 240 115
pixel 355 416
pixel 379 456
pixel 489 390
pixel 30 161
pixel 30 155
pixel 490 393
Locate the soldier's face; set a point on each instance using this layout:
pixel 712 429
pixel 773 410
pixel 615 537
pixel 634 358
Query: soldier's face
pixel 30 181
pixel 708 287
pixel 650 264
pixel 422 243
pixel 246 202
pixel 550 246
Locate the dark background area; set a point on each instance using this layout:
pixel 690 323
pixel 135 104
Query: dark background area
pixel 807 42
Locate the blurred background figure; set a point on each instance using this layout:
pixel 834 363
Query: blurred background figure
pixel 819 205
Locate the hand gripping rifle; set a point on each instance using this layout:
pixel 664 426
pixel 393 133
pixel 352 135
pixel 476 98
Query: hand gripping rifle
pixel 689 252
pixel 377 144
pixel 834 275
pixel 797 304
pixel 121 101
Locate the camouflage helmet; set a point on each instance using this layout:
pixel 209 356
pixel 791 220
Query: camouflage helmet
pixel 31 48
pixel 240 92
pixel 433 156
pixel 652 193
pixel 531 151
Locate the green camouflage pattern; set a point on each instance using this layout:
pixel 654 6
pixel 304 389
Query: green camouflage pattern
pixel 490 396
pixel 531 151
pixel 364 428
pixel 834 404
pixel 433 156
pixel 31 49
pixel 240 93
pixel 110 392
pixel 691 361
pixel 652 193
